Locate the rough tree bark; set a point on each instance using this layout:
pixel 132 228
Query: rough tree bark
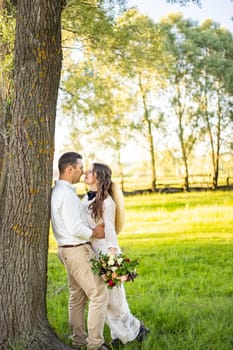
pixel 25 196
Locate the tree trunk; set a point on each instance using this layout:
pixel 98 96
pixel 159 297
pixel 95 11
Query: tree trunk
pixel 149 137
pixel 25 199
pixel 216 165
pixel 152 155
pixel 181 138
pixel 120 169
pixel 209 129
pixel 6 92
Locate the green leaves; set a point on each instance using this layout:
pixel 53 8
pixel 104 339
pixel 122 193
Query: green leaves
pixel 136 71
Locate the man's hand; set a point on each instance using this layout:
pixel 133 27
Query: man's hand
pixel 98 231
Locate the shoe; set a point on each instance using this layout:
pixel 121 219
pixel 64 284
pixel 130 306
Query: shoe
pixel 115 343
pixel 143 330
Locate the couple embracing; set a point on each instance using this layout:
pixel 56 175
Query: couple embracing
pixel 82 230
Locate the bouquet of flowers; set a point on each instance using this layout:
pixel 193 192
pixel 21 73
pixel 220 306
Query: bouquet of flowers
pixel 114 269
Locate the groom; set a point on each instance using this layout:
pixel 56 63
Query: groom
pixel 75 251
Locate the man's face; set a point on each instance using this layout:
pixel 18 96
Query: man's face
pixel 77 171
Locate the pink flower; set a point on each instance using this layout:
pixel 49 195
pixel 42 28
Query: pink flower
pixel 111 283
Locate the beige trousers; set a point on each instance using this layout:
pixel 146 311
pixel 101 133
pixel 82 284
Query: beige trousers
pixel 84 286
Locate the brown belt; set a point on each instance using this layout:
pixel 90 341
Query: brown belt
pixel 73 245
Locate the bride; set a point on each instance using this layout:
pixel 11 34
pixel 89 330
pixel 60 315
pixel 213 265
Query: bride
pixel 104 204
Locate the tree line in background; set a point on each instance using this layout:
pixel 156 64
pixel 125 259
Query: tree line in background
pixel 30 66
pixel 168 85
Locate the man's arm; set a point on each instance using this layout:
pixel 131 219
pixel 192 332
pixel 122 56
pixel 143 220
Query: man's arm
pixel 98 231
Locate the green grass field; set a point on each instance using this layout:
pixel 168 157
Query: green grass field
pixel 184 291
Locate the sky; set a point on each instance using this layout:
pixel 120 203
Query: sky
pixel 220 11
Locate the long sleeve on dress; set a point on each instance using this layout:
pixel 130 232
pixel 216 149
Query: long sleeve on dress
pixel 109 213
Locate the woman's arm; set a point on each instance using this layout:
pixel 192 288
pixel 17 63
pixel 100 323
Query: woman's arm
pixel 109 212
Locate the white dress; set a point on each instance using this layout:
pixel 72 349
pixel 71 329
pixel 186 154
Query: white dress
pixel 122 323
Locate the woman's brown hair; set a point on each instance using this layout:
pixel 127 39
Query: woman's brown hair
pixel 104 183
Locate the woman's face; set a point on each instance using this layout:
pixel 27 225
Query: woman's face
pixel 90 177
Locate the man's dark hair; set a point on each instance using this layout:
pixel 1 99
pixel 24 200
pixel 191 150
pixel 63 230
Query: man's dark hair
pixel 68 158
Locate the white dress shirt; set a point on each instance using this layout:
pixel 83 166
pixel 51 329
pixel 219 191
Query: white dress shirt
pixel 67 215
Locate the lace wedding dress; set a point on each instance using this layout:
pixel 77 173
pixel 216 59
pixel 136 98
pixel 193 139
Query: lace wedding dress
pixel 123 325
